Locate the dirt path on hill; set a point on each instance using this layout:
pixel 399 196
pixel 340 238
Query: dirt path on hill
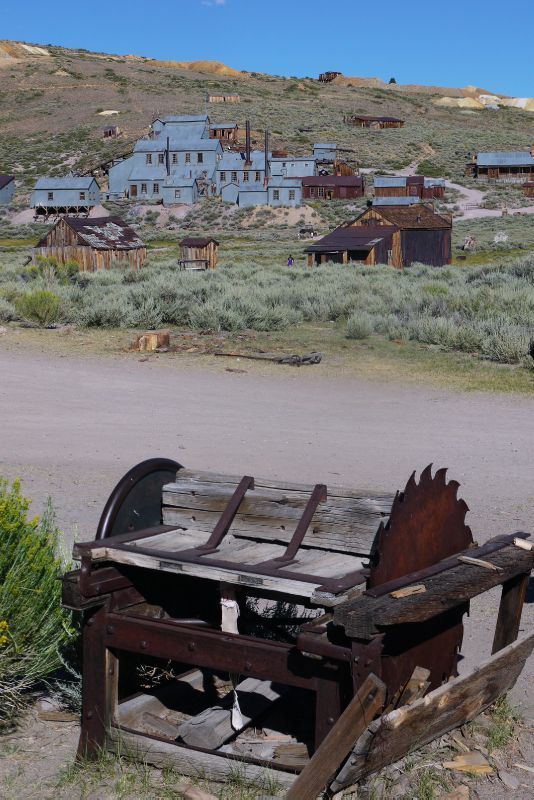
pixel 71 427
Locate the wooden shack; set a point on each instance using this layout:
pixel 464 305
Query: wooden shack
pixel 409 186
pixel 528 188
pixel 329 76
pixel 225 131
pixel 393 235
pixel 377 123
pixel 332 187
pixel 111 132
pixel 199 253
pixel 100 243
pixel 505 166
pixel 224 98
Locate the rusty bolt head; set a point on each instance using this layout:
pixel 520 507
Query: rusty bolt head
pixel 89 715
pixel 191 647
pixel 330 720
pixel 143 645
pixel 110 628
pixel 90 621
pixel 248 665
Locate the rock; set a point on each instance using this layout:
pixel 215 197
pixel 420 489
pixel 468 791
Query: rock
pixel 509 780
pixel 47 704
pixel 458 793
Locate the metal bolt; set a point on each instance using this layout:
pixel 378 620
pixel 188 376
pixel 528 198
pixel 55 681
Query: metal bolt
pixel 110 628
pixel 248 665
pixel 143 645
pixel 356 659
pixel 330 720
pixel 90 621
pixel 89 715
pixel 191 646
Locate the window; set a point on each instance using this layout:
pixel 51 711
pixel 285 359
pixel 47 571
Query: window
pixel 312 191
pixel 149 158
pixel 188 158
pixel 223 176
pixel 245 175
pixel 276 194
pixel 143 188
pixel 291 194
pixel 175 158
pixel 161 158
pixel 234 177
pixel 50 195
pixel 257 176
pixel 177 194
pixel 82 195
pixel 320 191
pixel 156 188
pixel 200 158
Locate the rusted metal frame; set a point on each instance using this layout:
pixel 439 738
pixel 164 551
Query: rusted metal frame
pixel 264 659
pixel 227 517
pixel 100 581
pixel 443 565
pixel 82 548
pixel 318 495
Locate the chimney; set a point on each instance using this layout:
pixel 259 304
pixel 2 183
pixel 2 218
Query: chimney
pixel 248 158
pixel 168 158
pixel 266 179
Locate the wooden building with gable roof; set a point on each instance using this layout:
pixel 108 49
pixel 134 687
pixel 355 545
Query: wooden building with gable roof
pixel 199 252
pixel 99 243
pixel 394 235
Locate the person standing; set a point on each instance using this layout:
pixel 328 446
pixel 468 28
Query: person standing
pixel 290 261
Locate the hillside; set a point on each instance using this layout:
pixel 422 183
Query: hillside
pixel 53 99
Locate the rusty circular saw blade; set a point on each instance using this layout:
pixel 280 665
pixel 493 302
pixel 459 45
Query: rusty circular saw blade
pixel 426 525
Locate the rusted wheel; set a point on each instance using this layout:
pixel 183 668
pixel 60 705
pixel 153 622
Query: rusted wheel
pixel 135 502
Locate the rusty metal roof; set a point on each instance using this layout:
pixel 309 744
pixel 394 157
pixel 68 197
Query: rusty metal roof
pixel 105 233
pixel 377 119
pixel 420 216
pixel 352 238
pixel 5 179
pixel 192 241
pixel 333 180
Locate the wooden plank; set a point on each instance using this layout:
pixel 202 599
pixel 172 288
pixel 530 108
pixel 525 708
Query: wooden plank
pixel 343 534
pixel 449 589
pixel 213 727
pixel 449 706
pixel 510 609
pixel 334 748
pixel 195 763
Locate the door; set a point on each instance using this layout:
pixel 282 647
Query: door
pixel 133 190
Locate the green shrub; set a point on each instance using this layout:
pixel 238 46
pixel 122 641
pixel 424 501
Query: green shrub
pixel 359 326
pixel 50 269
pixel 40 306
pixel 7 310
pixel 33 627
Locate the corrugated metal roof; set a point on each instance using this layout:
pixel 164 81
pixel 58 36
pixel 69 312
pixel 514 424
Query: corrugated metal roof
pixel 105 233
pixel 388 181
pixel 177 144
pixel 5 179
pixel 347 237
pixel 396 201
pixel 236 161
pixel 280 182
pixel 220 125
pixel 68 182
pixel 325 146
pixel 332 180
pixel 434 182
pixel 505 158
pixel 148 173
pixel 377 119
pixel 184 118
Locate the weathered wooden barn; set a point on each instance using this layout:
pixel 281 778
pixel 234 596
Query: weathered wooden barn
pixel 332 187
pixel 7 189
pixel 409 186
pixel 513 166
pixel 225 131
pixel 199 253
pixel 224 98
pixel 99 243
pixel 67 195
pixel 111 132
pixel 394 235
pixel 376 123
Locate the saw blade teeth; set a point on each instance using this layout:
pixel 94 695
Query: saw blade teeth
pixel 441 475
pixel 412 484
pixel 453 487
pixel 426 474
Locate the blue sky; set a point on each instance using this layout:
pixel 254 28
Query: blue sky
pixel 480 42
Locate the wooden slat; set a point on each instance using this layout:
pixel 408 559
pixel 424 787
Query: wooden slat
pixel 196 763
pixel 449 706
pixel 449 589
pixel 334 748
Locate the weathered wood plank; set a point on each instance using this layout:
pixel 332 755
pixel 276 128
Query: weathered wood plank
pixel 511 606
pixel 195 763
pixel 213 727
pixel 445 590
pixel 344 535
pixel 447 707
pixel 334 748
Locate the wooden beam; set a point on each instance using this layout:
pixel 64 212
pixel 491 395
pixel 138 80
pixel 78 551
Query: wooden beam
pixel 367 615
pixel 512 598
pixel 334 748
pixel 449 706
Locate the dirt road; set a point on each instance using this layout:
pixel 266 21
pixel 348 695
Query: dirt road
pixel 70 427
